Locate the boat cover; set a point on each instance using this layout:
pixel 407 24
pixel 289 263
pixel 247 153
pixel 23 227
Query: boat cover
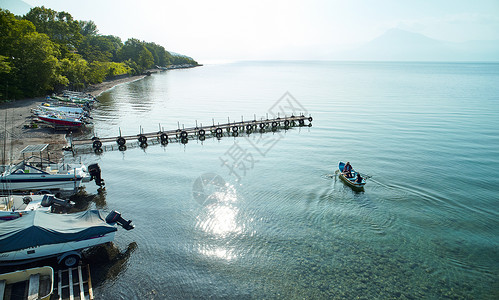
pixel 44 228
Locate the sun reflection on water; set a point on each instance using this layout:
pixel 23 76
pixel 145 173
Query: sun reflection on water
pixel 219 223
pixel 218 253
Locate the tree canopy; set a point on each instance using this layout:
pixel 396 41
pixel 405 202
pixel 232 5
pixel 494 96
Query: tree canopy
pixel 46 50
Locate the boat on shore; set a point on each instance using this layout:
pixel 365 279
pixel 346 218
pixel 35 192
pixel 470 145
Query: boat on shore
pixel 75 97
pixel 42 234
pixel 16 206
pixel 31 284
pixel 71 111
pixel 61 120
pixel 351 181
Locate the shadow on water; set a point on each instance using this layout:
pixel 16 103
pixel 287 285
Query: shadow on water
pixel 107 262
pixel 83 200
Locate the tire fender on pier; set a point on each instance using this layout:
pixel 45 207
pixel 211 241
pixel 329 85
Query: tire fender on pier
pixel 121 141
pixel 97 144
pixel 142 139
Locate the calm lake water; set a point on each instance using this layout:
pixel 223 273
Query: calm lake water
pixel 264 216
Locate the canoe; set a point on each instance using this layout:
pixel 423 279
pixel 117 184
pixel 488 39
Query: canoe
pixel 350 181
pixel 35 283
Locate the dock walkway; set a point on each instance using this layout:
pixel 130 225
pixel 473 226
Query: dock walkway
pixel 74 283
pixel 183 135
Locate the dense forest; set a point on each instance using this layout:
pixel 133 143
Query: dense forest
pixel 46 50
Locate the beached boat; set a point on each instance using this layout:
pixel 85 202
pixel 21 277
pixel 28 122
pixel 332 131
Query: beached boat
pixel 71 111
pixel 48 178
pixel 54 101
pixel 80 95
pixel 73 98
pixel 42 234
pixel 15 206
pixel 31 284
pixel 351 181
pixel 61 120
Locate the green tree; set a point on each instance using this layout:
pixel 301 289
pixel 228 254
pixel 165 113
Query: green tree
pixel 146 60
pixel 160 55
pixel 31 57
pixel 99 48
pixel 59 26
pixel 11 29
pixel 5 70
pixel 75 69
pixel 36 64
pixel 115 69
pixel 178 59
pixel 137 52
pixel 88 28
pixel 47 49
pixel 5 67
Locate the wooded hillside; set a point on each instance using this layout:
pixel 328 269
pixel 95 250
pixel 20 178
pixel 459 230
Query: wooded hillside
pixel 45 50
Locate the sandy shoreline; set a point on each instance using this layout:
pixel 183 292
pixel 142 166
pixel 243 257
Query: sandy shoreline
pixel 15 114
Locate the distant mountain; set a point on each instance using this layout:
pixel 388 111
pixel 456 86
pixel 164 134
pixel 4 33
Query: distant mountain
pixel 17 7
pixel 401 45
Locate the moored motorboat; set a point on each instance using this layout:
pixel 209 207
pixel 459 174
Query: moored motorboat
pixel 48 178
pixel 15 206
pixel 42 234
pixel 353 179
pixel 31 284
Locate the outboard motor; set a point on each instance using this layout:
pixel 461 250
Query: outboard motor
pixel 115 217
pixel 50 200
pixel 94 171
pixel 27 200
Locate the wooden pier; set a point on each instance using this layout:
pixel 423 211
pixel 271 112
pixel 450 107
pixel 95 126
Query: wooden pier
pixel 183 135
pixel 74 283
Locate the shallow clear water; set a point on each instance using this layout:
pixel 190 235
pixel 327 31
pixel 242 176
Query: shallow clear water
pixel 264 216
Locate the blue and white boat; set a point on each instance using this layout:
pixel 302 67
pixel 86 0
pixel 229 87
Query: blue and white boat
pixel 352 181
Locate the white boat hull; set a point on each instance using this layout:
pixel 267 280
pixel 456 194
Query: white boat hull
pixel 50 179
pixel 35 183
pixel 51 250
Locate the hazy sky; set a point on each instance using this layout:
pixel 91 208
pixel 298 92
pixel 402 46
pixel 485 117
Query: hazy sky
pixel 294 29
